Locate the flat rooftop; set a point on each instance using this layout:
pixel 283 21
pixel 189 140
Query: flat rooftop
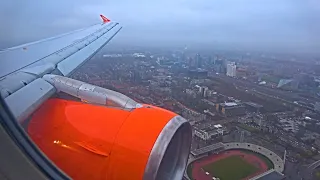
pixel 209 127
pixel 231 104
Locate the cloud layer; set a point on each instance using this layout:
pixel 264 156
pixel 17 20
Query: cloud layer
pixel 284 25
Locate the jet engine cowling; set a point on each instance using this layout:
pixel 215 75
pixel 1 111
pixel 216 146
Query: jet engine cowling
pixel 89 141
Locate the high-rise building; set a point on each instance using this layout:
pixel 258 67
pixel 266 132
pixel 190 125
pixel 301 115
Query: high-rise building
pixel 201 89
pixel 231 69
pixel 198 61
pixel 190 62
pixel 219 66
pixel 210 60
pixel 183 54
pixel 205 92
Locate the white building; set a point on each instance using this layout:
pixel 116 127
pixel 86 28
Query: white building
pixel 201 89
pixel 138 55
pixel 205 92
pixel 231 70
pixel 209 131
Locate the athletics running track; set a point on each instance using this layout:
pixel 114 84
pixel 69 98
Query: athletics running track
pixel 199 174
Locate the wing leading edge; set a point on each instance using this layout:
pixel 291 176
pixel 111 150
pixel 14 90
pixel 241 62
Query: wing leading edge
pixel 22 67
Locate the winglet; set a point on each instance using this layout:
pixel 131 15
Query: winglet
pixel 104 19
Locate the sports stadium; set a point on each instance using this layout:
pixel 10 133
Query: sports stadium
pixel 234 161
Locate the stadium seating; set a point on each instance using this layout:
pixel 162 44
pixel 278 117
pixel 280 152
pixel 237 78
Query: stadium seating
pixel 276 160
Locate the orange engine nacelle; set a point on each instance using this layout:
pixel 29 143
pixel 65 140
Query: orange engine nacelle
pixel 97 142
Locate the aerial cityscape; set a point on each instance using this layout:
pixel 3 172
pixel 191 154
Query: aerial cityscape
pixel 160 90
pixel 236 103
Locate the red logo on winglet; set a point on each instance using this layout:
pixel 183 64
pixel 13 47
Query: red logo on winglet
pixel 104 19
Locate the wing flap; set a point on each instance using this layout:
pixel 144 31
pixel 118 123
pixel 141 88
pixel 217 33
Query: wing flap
pixel 13 83
pixel 27 99
pixel 40 70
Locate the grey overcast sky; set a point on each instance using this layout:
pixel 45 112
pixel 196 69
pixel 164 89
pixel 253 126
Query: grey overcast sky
pixel 282 25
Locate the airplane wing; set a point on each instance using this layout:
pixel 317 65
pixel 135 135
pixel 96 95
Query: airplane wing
pixel 107 131
pixel 22 67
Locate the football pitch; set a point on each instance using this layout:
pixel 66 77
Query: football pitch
pixel 230 168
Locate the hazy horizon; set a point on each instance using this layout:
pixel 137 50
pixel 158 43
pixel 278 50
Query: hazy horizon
pixel 265 25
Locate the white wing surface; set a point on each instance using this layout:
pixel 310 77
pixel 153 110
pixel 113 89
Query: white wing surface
pixel 22 67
